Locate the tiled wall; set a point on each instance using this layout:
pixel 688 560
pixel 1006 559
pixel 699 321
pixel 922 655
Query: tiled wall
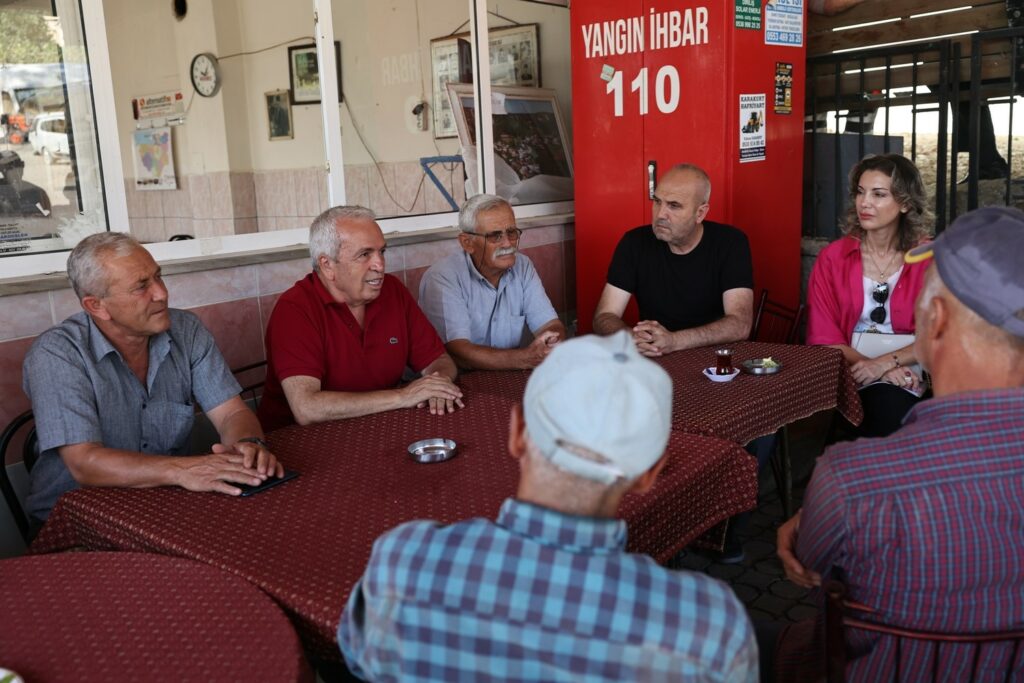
pixel 235 303
pixel 239 203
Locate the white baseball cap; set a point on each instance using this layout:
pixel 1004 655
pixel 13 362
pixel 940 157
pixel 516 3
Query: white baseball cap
pixel 599 394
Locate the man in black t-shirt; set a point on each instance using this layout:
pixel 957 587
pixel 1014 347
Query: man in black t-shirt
pixel 693 279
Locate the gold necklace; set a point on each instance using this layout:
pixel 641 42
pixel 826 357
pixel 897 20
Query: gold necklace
pixel 881 273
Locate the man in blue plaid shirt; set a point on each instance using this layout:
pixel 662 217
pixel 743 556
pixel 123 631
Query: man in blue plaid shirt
pixel 547 592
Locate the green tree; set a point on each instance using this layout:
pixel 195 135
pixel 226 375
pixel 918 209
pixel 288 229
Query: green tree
pixel 25 38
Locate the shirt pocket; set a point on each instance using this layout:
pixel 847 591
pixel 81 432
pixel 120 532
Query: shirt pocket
pixel 514 335
pixel 166 427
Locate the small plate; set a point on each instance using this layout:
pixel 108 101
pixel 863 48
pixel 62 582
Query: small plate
pixel 714 377
pixel 755 366
pixel 432 450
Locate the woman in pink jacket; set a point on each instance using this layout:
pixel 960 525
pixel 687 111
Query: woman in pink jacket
pixel 861 284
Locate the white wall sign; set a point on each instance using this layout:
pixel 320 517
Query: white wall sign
pixel 784 23
pixel 752 130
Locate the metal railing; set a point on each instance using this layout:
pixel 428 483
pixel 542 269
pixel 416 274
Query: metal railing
pixel 864 84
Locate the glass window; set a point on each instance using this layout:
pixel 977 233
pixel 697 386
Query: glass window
pixel 530 101
pixel 50 181
pixel 399 140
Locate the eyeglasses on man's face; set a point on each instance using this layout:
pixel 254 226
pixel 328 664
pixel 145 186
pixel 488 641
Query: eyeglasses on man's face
pixel 495 235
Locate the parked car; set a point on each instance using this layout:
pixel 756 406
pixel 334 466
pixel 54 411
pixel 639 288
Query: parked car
pixel 49 137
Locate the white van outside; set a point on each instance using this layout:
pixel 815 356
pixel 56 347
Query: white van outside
pixel 49 137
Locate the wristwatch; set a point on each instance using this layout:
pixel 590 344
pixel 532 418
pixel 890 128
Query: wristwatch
pixel 256 440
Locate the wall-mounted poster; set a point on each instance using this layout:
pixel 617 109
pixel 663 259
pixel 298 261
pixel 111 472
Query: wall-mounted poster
pixel 752 127
pixel 279 115
pixel 514 58
pixel 531 146
pixel 153 159
pixel 304 73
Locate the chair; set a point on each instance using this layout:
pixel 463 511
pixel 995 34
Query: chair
pixel 246 376
pixel 29 455
pixel 842 615
pixel 779 324
pixel 776 323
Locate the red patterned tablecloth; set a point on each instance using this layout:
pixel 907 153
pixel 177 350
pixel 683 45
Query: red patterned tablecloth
pixel 306 542
pixel 142 617
pixel 813 378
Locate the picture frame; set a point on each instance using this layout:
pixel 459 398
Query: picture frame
pixel 533 160
pixel 514 58
pixel 304 73
pixel 279 115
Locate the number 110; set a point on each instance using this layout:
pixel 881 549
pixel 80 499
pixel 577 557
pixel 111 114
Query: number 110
pixel 666 90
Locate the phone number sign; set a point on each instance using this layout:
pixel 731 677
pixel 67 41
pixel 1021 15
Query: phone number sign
pixel 784 23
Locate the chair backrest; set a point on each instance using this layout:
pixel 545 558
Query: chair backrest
pixel 774 322
pixel 252 377
pixel 29 454
pixel 843 618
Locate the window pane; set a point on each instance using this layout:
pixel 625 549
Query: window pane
pixel 50 184
pixel 399 139
pixel 242 151
pixel 531 101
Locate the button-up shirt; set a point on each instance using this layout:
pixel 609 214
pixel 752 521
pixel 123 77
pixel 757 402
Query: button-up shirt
pixel 82 391
pixel 537 596
pixel 927 527
pixel 462 304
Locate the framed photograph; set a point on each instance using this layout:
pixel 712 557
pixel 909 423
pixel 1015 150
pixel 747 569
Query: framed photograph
pixel 514 58
pixel 304 73
pixel 279 115
pixel 532 161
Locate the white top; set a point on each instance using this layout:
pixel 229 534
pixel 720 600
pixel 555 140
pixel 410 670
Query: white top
pixel 865 323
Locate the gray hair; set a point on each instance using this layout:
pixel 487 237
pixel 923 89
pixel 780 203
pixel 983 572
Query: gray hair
pixel 324 239
pixel 476 204
pixel 701 174
pixel 986 336
pixel 85 264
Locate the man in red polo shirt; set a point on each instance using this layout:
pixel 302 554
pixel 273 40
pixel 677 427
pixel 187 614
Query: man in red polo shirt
pixel 340 338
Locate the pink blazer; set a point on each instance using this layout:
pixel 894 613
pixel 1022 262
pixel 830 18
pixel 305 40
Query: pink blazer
pixel 835 294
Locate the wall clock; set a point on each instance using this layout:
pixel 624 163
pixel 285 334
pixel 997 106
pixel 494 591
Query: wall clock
pixel 205 73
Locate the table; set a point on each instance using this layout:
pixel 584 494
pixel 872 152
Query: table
pixel 306 542
pixel 129 616
pixel 813 378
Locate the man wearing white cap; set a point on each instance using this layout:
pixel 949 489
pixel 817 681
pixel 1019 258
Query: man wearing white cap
pixel 924 526
pixel 547 591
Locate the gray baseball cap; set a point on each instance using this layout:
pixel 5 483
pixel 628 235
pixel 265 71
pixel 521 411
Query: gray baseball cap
pixel 980 259
pixel 599 394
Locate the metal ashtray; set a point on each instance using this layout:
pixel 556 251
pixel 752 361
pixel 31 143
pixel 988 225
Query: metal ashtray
pixel 432 450
pixel 756 366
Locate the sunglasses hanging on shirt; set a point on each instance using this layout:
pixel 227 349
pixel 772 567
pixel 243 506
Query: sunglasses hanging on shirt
pixel 880 295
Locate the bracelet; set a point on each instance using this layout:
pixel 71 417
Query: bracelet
pixel 896 358
pixel 256 440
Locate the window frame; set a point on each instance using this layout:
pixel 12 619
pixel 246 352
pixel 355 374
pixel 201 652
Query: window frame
pixel 111 161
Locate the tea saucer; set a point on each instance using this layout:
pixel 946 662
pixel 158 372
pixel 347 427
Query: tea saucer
pixel 712 375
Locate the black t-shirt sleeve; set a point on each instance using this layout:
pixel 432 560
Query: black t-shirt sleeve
pixel 622 271
pixel 737 266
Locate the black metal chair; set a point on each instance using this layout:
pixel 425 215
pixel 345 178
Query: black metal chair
pixel 776 323
pixel 251 377
pixel 29 455
pixel 842 615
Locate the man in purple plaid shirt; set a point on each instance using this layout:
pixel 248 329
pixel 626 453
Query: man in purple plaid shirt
pixel 547 592
pixel 927 526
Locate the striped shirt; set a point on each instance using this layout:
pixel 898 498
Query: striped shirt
pixel 537 596
pixel 927 527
